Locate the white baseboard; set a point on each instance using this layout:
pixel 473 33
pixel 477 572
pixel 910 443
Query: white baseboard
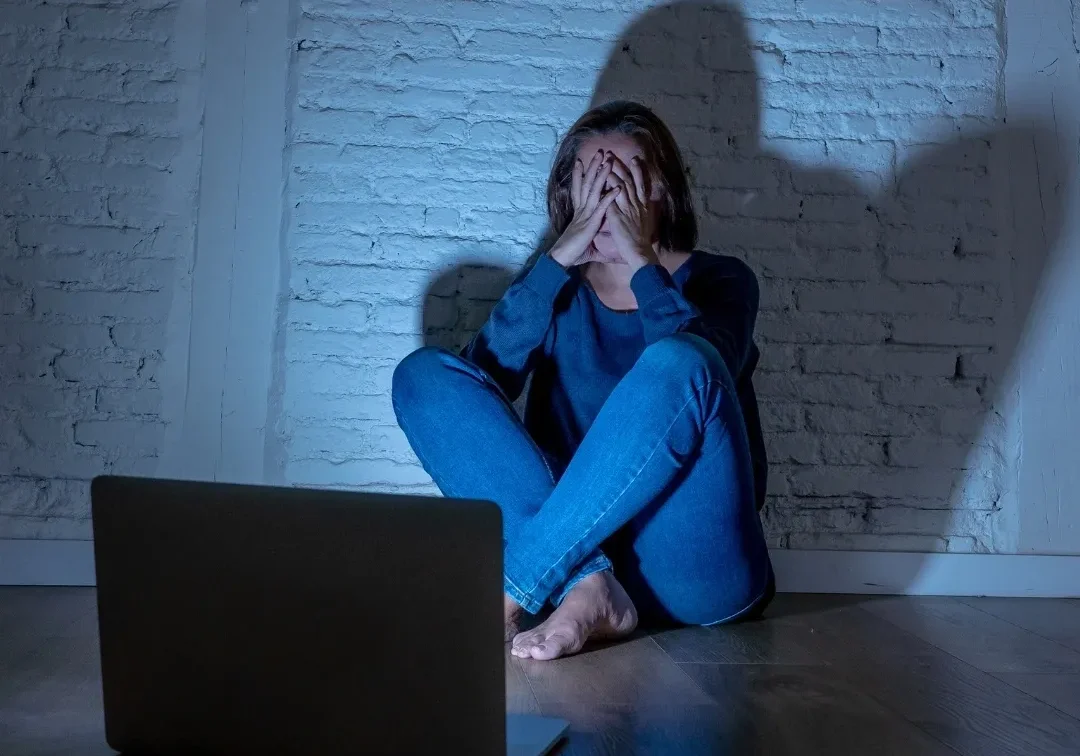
pixel 906 574
pixel 886 572
pixel 29 562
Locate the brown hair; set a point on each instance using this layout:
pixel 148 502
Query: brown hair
pixel 677 225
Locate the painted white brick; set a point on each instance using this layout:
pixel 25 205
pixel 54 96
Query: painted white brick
pixel 933 392
pixel 795 36
pixel 876 542
pixel 79 237
pixel 73 145
pixel 68 336
pixel 929 453
pixel 979 303
pixel 57 461
pixel 329 409
pixel 873 421
pixel 955 41
pixel 331 285
pixel 477 75
pixel 838 390
pixel 916 13
pixel 351 345
pixel 841 297
pixel 102 23
pixel 782 416
pixel 320 125
pixel 356 217
pixel 332 377
pixel 829 66
pixel 102 369
pixel 144 401
pixel 878 361
pixel 95 306
pixel 44 498
pixel 867 480
pixel 797 448
pixel 842 449
pixel 821 328
pixel 98 215
pixel 410 130
pixel 119 434
pixel 363 473
pixel 346 316
pixel 938 331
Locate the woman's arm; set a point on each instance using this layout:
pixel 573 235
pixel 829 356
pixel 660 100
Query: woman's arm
pixel 726 293
pixel 514 333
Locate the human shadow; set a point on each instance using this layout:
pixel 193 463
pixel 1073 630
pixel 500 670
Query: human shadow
pixel 894 286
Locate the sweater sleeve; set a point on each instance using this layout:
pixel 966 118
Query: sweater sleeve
pixel 726 296
pixel 506 346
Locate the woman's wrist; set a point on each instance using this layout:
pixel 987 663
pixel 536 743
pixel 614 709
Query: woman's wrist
pixel 558 254
pixel 639 258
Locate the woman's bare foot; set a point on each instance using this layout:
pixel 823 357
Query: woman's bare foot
pixel 596 608
pixel 512 612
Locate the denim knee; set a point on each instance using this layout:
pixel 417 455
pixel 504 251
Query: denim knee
pixel 684 355
pixel 418 374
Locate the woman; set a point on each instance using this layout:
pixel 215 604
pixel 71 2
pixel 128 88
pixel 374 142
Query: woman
pixel 633 485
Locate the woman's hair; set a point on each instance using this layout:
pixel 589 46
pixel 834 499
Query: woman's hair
pixel 677 226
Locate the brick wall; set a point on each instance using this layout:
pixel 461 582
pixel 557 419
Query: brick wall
pixel 97 169
pixel 843 148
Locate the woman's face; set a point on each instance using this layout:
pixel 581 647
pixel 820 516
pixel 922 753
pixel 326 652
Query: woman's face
pixel 625 148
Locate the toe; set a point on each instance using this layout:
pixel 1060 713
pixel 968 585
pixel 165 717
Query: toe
pixel 557 644
pixel 525 642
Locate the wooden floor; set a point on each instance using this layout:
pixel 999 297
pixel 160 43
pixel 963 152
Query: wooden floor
pixel 831 675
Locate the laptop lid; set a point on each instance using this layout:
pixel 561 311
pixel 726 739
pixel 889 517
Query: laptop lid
pixel 253 619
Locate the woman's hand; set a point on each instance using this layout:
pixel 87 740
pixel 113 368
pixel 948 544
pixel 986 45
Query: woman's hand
pixel 629 217
pixel 575 246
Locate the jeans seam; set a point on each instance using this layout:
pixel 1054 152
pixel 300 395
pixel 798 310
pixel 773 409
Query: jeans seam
pixel 615 500
pixel 749 604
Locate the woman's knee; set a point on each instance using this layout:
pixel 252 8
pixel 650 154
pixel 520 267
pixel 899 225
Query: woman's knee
pixel 419 373
pixel 684 354
pixel 711 608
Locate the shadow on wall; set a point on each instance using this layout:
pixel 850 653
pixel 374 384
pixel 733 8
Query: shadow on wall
pixel 887 320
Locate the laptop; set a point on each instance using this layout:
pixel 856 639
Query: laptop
pixel 239 619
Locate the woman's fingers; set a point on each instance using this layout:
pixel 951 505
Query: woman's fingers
pixel 597 216
pixel 639 178
pixel 597 187
pixel 589 176
pixel 625 201
pixel 620 169
pixel 576 177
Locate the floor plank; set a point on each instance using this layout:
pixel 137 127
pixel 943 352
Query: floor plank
pixel 784 709
pixel 623 730
pixel 31 615
pixel 50 701
pixel 519 695
pixel 1062 691
pixel 761 642
pixel 636 672
pixel 1055 619
pixel 969 710
pixel 981 639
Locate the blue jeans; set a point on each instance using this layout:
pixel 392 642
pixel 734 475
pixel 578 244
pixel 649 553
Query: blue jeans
pixel 660 489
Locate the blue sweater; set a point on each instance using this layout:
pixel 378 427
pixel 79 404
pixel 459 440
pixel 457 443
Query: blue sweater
pixel 550 323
